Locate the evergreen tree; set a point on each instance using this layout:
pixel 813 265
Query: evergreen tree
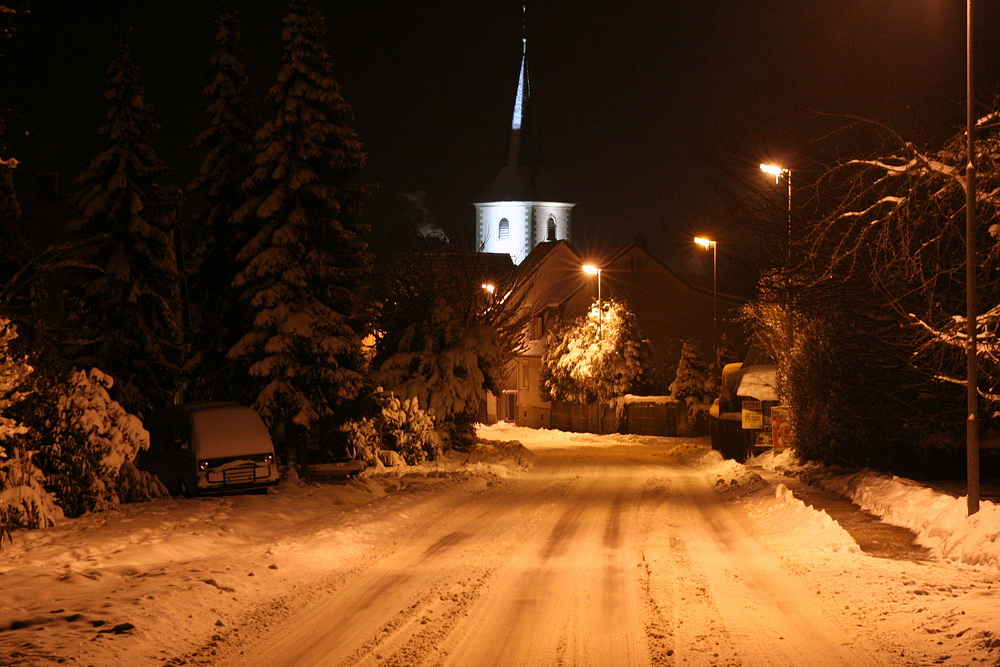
pixel 13 246
pixel 217 318
pixel 305 259
pixel 692 373
pixel 126 316
pixel 692 384
pixel 596 357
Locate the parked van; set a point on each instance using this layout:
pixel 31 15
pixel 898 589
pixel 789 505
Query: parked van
pixel 209 448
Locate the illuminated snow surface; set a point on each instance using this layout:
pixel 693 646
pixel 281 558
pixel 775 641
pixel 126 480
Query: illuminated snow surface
pixel 587 550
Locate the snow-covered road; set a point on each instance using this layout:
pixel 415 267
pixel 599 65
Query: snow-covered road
pixel 606 551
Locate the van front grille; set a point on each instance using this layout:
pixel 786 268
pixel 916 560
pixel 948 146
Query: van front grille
pixel 238 475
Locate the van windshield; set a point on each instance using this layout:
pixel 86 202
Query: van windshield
pixel 229 432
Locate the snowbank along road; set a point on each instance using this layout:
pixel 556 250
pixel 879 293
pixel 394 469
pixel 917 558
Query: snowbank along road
pixel 606 551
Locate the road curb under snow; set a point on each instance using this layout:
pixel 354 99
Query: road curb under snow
pixel 939 519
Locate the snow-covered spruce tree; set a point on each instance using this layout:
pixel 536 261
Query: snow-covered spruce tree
pixel 446 365
pixel 689 385
pixel 596 357
pixel 217 319
pixel 305 258
pixel 126 317
pixel 24 502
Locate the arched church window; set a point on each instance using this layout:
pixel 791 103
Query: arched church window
pixel 503 232
pixel 550 233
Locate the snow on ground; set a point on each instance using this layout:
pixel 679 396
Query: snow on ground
pixel 939 519
pixel 149 582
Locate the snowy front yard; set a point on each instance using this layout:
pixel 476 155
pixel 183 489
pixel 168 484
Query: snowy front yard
pixel 700 560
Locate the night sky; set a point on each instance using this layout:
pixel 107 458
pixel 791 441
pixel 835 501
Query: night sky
pixel 645 108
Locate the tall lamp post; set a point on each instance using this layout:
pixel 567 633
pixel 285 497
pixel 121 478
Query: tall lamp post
pixel 778 172
pixel 714 247
pixel 595 271
pixel 972 365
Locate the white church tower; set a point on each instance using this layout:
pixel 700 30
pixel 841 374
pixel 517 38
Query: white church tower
pixel 521 208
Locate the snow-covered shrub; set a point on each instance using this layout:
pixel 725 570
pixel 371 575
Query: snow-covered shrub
pixel 137 486
pixel 444 364
pixel 363 439
pixel 24 502
pixel 87 440
pixel 400 426
pixel 408 430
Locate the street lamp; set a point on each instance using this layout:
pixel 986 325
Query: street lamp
pixel 489 287
pixel 972 364
pixel 595 271
pixel 714 247
pixel 778 172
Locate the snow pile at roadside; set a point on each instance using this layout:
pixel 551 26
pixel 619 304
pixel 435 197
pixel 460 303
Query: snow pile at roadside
pixel 778 511
pixel 938 519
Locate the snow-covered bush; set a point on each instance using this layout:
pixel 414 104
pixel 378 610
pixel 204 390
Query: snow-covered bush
pixel 87 440
pixel 363 439
pixel 444 365
pixel 24 503
pixel 408 430
pixel 401 426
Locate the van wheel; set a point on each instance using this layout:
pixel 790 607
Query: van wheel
pixel 185 490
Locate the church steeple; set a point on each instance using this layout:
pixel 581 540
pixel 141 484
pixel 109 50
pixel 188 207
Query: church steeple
pixel 521 208
pixel 523 144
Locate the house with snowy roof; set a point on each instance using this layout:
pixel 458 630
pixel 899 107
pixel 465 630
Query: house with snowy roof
pixel 668 310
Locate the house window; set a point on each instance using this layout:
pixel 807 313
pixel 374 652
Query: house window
pixel 634 264
pixel 524 376
pixel 551 229
pixel 503 232
pixel 536 328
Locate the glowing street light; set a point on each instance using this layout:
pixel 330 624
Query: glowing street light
pixel 778 172
pixel 489 287
pixel 595 271
pixel 714 247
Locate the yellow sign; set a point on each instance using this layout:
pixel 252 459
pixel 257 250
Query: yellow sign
pixel 753 415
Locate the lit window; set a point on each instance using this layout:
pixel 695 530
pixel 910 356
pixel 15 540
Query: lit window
pixel 503 233
pixel 551 231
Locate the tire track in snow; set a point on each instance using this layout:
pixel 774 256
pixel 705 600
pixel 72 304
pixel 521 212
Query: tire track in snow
pixel 772 617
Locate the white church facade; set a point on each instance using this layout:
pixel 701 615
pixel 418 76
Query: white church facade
pixel 522 207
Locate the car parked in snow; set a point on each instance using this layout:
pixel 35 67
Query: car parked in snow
pixel 734 431
pixel 200 448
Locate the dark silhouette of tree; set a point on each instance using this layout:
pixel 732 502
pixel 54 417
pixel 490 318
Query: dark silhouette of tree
pixel 306 258
pixel 125 312
pixel 218 320
pixel 864 324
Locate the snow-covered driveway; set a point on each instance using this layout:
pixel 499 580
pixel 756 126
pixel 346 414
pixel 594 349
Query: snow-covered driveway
pixel 606 551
